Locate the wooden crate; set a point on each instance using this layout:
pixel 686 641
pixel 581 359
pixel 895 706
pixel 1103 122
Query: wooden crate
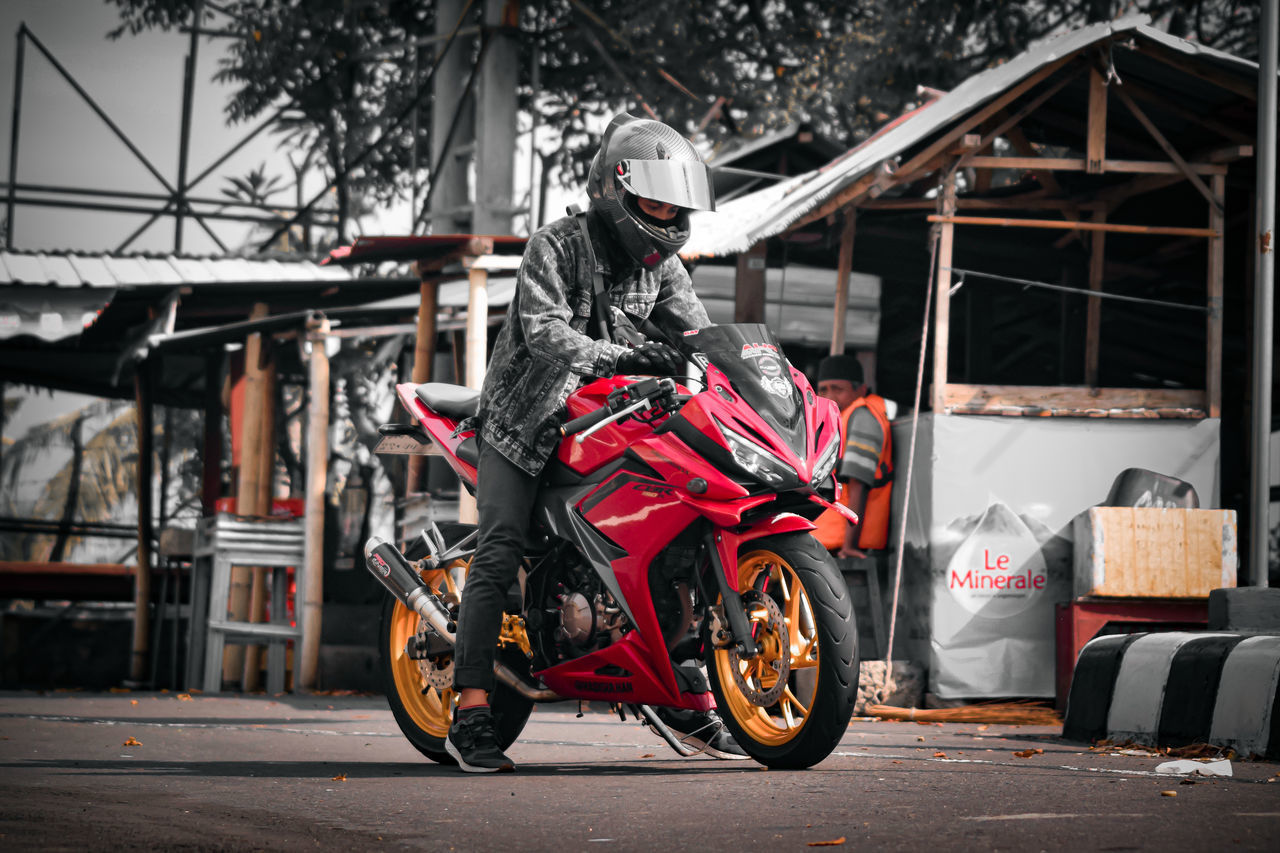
pixel 1148 552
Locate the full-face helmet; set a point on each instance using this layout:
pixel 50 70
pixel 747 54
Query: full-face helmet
pixel 641 158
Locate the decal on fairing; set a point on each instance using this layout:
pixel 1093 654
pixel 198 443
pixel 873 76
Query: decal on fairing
pixel 600 686
pixel 776 385
pixel 756 349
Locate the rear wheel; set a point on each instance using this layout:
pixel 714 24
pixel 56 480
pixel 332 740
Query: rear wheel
pixel 420 692
pixel 789 706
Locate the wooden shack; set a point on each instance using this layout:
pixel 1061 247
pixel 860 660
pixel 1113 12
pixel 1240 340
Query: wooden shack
pixel 1064 254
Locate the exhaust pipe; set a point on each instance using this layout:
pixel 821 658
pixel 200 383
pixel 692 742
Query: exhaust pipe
pixel 388 565
pixel 393 571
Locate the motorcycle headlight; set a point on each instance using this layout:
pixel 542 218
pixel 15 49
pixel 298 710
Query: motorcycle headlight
pixel 826 462
pixel 756 460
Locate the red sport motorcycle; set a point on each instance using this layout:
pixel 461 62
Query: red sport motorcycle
pixel 672 527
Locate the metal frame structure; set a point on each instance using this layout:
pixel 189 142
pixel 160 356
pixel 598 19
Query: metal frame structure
pixel 177 200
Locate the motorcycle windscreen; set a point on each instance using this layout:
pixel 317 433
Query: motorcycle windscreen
pixel 753 361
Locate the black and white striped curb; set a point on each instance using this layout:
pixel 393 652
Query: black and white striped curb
pixel 1178 688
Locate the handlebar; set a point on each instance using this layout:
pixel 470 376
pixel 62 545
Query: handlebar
pixel 587 421
pixel 622 403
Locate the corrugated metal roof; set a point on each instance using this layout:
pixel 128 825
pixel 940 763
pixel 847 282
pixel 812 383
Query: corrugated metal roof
pixel 71 269
pixel 741 223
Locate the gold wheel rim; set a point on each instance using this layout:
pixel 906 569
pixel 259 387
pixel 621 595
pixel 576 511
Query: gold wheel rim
pixel 430 709
pixel 783 721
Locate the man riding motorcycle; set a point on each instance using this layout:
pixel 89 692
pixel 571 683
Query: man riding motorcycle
pixel 584 281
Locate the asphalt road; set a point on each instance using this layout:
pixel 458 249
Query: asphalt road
pixel 334 773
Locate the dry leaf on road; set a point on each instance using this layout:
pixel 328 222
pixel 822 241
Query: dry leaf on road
pixel 832 843
pixel 132 741
pixel 341 777
pixel 1027 753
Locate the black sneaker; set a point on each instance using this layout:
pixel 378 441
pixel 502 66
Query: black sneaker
pixel 702 730
pixel 473 742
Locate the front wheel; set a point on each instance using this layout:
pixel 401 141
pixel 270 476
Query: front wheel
pixel 789 706
pixel 420 692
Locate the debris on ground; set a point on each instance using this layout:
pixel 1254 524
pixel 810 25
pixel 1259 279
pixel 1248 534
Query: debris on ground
pixel 1007 713
pixel 1221 767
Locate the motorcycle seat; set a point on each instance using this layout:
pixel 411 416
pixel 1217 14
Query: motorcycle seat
pixel 454 401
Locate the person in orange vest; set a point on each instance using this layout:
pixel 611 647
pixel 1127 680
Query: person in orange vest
pixel 866 468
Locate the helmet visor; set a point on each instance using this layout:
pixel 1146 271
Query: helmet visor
pixel 683 183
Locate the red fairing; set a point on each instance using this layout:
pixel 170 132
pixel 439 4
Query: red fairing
pixel 646 684
pixel 605 445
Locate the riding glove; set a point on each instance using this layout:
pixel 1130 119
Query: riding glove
pixel 653 359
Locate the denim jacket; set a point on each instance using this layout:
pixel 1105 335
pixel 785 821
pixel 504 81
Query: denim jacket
pixel 545 349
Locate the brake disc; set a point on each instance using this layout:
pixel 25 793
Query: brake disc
pixel 775 650
pixel 436 671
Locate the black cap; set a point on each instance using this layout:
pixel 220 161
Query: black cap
pixel 840 367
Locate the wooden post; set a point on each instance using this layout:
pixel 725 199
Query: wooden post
pixel 942 311
pixel 308 656
pixel 1074 225
pixel 749 285
pixel 1096 145
pixel 247 487
pixel 844 266
pixel 477 355
pixel 1213 360
pixel 266 491
pixel 211 446
pixel 424 350
pixel 1093 311
pixel 138 667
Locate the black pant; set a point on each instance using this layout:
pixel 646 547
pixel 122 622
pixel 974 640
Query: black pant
pixel 504 498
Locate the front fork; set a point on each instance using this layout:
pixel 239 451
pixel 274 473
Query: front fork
pixel 723 547
pixel 730 598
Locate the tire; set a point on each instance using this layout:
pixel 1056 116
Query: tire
pixel 798 723
pixel 424 712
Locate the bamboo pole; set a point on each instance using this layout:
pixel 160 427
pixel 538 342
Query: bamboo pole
pixel 477 354
pixel 1117 228
pixel 211 446
pixel 247 487
pixel 266 491
pixel 424 350
pixel 942 311
pixel 307 657
pixel 142 580
pixel 844 266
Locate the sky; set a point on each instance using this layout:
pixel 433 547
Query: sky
pixel 137 81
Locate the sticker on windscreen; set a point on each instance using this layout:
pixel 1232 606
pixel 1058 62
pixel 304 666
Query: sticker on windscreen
pixel 758 350
pixel 776 385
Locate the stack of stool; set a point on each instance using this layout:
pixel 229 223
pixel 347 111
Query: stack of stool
pixel 223 542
